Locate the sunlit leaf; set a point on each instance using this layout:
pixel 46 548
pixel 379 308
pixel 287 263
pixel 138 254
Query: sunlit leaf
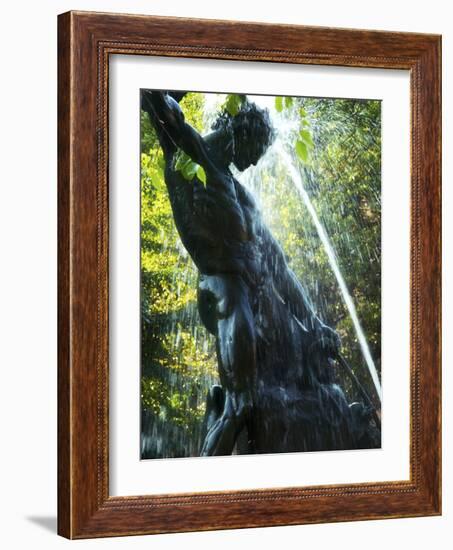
pixel 189 170
pixel 305 136
pixel 279 104
pixel 201 174
pixel 233 103
pixel 302 150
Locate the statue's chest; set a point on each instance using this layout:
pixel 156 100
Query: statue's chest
pixel 220 215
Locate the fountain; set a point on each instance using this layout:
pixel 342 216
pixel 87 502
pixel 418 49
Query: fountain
pixel 276 391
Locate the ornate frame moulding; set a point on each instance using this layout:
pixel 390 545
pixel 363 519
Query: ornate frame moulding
pixel 85 41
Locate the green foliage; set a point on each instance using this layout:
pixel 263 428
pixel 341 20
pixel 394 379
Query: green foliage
pixel 306 138
pixel 188 168
pixel 288 102
pixel 186 165
pixel 201 175
pixel 304 142
pixel 302 150
pixel 233 103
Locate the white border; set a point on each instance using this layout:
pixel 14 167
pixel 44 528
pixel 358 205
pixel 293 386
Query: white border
pixel 129 475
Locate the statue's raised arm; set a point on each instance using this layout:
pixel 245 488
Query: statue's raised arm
pixel 173 131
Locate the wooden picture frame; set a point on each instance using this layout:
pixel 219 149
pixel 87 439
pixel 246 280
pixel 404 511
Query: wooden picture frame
pixel 85 41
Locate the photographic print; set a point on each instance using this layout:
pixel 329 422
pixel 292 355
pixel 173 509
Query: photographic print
pixel 248 226
pixel 260 274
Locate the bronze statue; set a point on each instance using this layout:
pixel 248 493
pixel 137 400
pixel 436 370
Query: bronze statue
pixel 274 353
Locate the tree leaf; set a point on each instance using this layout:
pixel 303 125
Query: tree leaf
pixel 302 150
pixel 233 103
pixel 185 165
pixel 201 175
pixel 189 170
pixel 305 136
pixel 288 102
pixel 181 160
pixel 279 104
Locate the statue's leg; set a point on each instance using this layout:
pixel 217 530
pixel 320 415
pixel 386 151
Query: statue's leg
pixel 215 403
pixel 236 351
pixel 222 434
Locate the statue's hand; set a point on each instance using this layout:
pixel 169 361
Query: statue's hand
pixel 146 101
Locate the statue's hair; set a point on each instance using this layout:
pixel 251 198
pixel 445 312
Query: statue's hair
pixel 251 119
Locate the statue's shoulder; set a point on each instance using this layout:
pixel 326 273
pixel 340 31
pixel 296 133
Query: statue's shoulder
pixel 244 196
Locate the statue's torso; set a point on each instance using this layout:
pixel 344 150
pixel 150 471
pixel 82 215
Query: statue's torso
pixel 220 230
pixel 226 237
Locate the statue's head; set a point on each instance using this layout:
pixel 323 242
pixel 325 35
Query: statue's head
pixel 252 133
